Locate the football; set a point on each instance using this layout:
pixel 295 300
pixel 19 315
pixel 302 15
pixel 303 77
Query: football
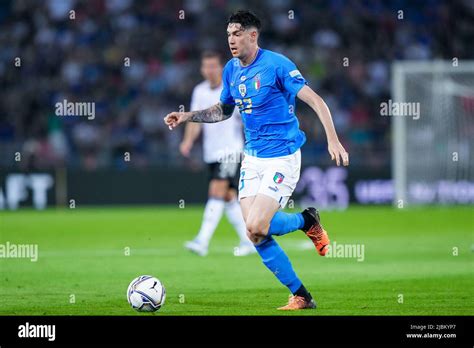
pixel 146 294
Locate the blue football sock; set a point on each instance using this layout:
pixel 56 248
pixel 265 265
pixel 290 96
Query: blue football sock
pixel 283 223
pixel 276 261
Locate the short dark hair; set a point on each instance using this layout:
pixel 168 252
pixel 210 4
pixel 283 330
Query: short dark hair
pixel 246 19
pixel 212 54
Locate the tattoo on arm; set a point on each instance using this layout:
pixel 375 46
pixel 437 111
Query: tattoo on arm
pixel 215 113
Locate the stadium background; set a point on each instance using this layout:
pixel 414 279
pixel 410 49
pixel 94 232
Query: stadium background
pixel 73 158
pixel 345 57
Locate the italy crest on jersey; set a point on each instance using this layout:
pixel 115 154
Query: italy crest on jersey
pixel 242 89
pixel 256 82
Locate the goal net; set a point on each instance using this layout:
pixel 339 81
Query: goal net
pixel 433 132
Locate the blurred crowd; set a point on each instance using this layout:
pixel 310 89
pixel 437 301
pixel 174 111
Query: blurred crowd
pixel 139 60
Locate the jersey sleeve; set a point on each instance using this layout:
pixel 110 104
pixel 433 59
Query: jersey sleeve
pixel 194 101
pixel 226 97
pixel 289 77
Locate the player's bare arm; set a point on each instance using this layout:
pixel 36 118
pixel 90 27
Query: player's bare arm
pixel 335 148
pixel 215 113
pixel 191 133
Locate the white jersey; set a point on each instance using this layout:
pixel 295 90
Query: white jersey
pixel 220 139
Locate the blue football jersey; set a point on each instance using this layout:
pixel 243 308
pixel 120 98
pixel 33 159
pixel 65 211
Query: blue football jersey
pixel 265 92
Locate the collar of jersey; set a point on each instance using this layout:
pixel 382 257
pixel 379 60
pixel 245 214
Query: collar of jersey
pixel 255 59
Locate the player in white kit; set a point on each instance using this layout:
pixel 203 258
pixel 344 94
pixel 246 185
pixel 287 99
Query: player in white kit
pixel 222 147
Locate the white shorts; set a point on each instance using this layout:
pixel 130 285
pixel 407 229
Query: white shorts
pixel 274 177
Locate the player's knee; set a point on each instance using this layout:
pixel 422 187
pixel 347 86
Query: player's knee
pixel 218 189
pixel 255 229
pixel 230 195
pixel 255 239
pixel 216 193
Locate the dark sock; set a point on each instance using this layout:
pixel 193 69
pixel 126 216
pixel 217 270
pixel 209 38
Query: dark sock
pixel 308 221
pixel 303 293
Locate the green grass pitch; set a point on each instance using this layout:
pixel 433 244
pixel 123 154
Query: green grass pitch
pixel 82 253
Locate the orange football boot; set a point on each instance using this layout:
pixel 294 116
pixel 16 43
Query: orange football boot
pixel 316 232
pixel 296 303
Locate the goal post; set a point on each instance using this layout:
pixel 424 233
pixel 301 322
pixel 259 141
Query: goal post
pixel 432 132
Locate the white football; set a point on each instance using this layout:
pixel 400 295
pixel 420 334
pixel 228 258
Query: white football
pixel 146 294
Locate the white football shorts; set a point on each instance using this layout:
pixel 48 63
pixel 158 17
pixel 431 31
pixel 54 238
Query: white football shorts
pixel 274 177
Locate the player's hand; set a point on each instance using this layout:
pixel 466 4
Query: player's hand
pixel 337 152
pixel 174 119
pixel 185 148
